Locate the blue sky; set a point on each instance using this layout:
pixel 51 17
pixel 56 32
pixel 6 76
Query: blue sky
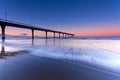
pixel 63 14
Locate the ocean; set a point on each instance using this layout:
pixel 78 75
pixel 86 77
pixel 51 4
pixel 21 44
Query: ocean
pixel 60 59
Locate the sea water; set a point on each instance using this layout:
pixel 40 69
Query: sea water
pixel 38 59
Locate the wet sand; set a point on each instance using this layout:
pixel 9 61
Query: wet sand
pixel 40 62
pixel 29 67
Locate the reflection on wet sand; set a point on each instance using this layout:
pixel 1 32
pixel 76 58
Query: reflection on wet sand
pixel 33 67
pixel 10 53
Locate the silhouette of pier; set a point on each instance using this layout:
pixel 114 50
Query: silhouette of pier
pixel 4 23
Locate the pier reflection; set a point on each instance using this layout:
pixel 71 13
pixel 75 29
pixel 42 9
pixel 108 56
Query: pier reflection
pixel 9 50
pixel 33 42
pixel 4 52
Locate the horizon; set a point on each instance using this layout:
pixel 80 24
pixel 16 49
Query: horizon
pixel 50 35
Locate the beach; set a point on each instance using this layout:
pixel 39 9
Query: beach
pixel 63 59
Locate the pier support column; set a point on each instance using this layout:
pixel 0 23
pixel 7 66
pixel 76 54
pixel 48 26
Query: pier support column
pixel 3 32
pixel 59 35
pixel 32 33
pixel 46 35
pixel 63 35
pixel 54 34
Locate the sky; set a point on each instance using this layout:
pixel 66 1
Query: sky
pixel 81 17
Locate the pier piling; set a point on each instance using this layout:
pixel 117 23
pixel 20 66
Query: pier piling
pixel 32 33
pixel 46 34
pixel 54 34
pixel 3 32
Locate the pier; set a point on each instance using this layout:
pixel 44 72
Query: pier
pixel 8 23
